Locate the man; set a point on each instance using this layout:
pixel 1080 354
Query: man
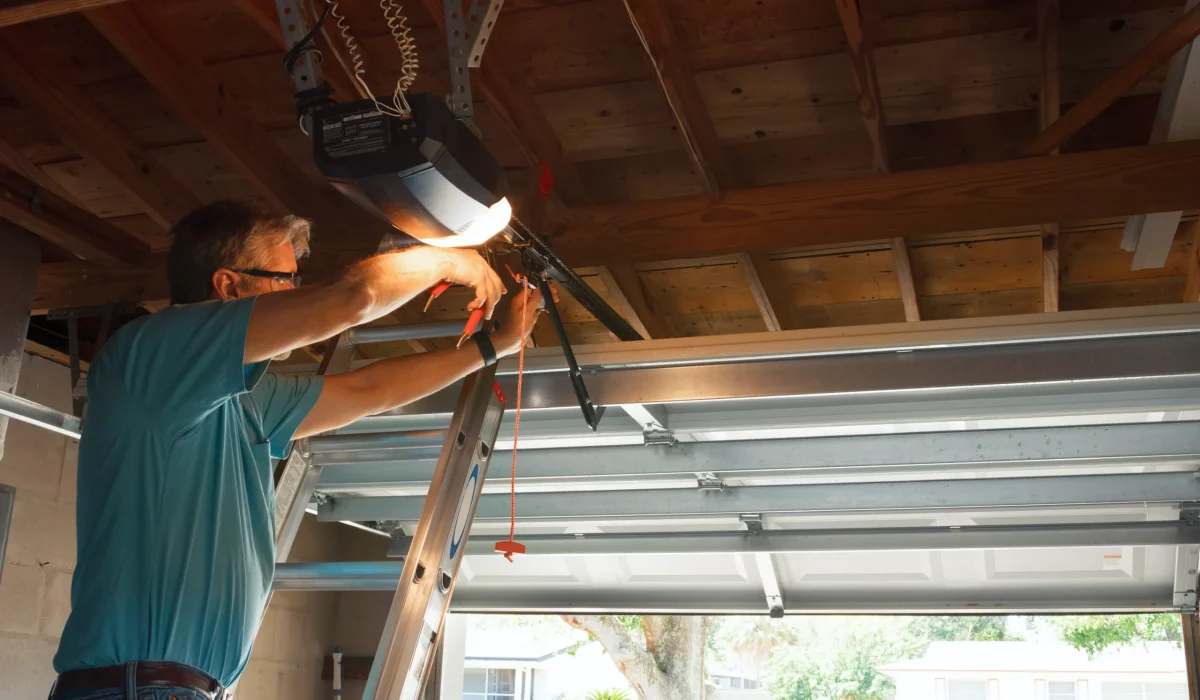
pixel 175 519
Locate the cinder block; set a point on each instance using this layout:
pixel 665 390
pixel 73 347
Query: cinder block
pixel 25 666
pixel 43 534
pixel 46 382
pixel 32 459
pixel 56 604
pixel 21 590
pixel 70 473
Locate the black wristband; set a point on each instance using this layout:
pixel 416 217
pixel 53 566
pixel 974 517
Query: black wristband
pixel 486 348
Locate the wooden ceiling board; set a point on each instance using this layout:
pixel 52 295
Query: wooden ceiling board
pixel 978 304
pixel 139 109
pixel 144 228
pixel 215 30
pixel 836 279
pixel 1108 295
pixel 570 46
pixel 985 266
pixel 764 162
pixel 720 323
pixel 611 121
pixel 701 290
pixel 648 176
pixel 1096 256
pixel 848 314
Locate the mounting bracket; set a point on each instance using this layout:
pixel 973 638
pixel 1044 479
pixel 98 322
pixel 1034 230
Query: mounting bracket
pixel 467 34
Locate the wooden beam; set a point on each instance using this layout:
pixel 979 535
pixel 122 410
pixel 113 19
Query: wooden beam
pixel 908 290
pixel 861 48
pixel 16 161
pixel 264 14
pixel 762 299
pixel 29 10
pixel 1049 109
pixel 60 222
pixel 516 109
pixel 1158 51
pixel 85 283
pixel 621 302
pixel 83 126
pixel 349 232
pixel 1031 191
pixel 673 69
pixel 1191 290
pixel 627 283
pixel 1149 236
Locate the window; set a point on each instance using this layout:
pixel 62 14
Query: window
pixel 1061 690
pixel 489 684
pixel 1143 691
pixel 969 690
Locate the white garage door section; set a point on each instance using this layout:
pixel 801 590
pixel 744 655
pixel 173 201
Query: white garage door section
pixel 1019 464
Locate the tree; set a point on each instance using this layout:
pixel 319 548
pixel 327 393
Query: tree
pixel 848 673
pixel 959 629
pixel 753 639
pixel 662 656
pixel 1095 633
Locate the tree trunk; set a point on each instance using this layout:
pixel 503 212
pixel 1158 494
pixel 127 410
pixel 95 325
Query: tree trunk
pixel 664 662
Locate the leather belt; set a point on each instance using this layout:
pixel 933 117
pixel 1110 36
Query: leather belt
pixel 146 674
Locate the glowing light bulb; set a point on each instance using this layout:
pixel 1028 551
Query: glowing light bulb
pixel 480 230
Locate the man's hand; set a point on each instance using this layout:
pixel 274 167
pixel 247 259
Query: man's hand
pixel 468 268
pixel 508 339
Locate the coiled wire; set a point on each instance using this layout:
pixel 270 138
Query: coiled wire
pixel 397 24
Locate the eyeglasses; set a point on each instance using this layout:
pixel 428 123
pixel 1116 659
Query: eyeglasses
pixel 292 277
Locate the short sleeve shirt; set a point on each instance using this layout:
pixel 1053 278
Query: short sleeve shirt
pixel 175 508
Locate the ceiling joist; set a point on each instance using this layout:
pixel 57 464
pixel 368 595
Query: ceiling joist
pixel 1078 186
pixel 861 49
pixel 57 220
pixel 688 110
pixel 1158 51
pixel 192 90
pixel 84 127
pixel 23 11
pixel 1049 103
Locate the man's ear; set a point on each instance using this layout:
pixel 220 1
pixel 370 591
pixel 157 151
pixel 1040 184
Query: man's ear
pixel 224 284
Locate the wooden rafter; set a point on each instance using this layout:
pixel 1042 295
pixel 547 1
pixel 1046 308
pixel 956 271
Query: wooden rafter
pixel 192 90
pixel 29 10
pixel 1049 106
pixel 762 296
pixel 624 281
pixel 1157 52
pixel 16 161
pixel 57 220
pixel 61 284
pixel 1029 191
pixel 908 289
pixel 674 72
pixel 861 49
pixel 83 126
pixel 516 109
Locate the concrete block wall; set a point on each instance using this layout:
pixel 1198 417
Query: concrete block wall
pixel 35 585
pixel 360 614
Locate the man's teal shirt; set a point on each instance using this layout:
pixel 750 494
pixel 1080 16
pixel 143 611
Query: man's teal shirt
pixel 175 516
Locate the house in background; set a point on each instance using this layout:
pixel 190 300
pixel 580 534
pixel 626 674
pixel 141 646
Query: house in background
pixel 1040 671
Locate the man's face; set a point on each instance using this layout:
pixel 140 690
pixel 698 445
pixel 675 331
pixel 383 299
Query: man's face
pixel 231 284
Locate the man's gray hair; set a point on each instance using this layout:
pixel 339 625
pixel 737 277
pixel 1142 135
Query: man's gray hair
pixel 272 231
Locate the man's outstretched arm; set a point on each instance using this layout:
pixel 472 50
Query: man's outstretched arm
pixel 286 320
pixel 386 384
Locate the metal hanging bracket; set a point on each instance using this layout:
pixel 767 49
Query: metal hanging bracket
pixel 467 34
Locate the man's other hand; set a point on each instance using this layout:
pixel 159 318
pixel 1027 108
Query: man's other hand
pixel 509 339
pixel 468 268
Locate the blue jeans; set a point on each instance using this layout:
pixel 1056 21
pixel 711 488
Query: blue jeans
pixel 131 692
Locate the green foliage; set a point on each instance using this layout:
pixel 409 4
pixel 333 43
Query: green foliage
pixel 846 674
pixel 632 623
pixel 1096 633
pixel 921 631
pixel 610 694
